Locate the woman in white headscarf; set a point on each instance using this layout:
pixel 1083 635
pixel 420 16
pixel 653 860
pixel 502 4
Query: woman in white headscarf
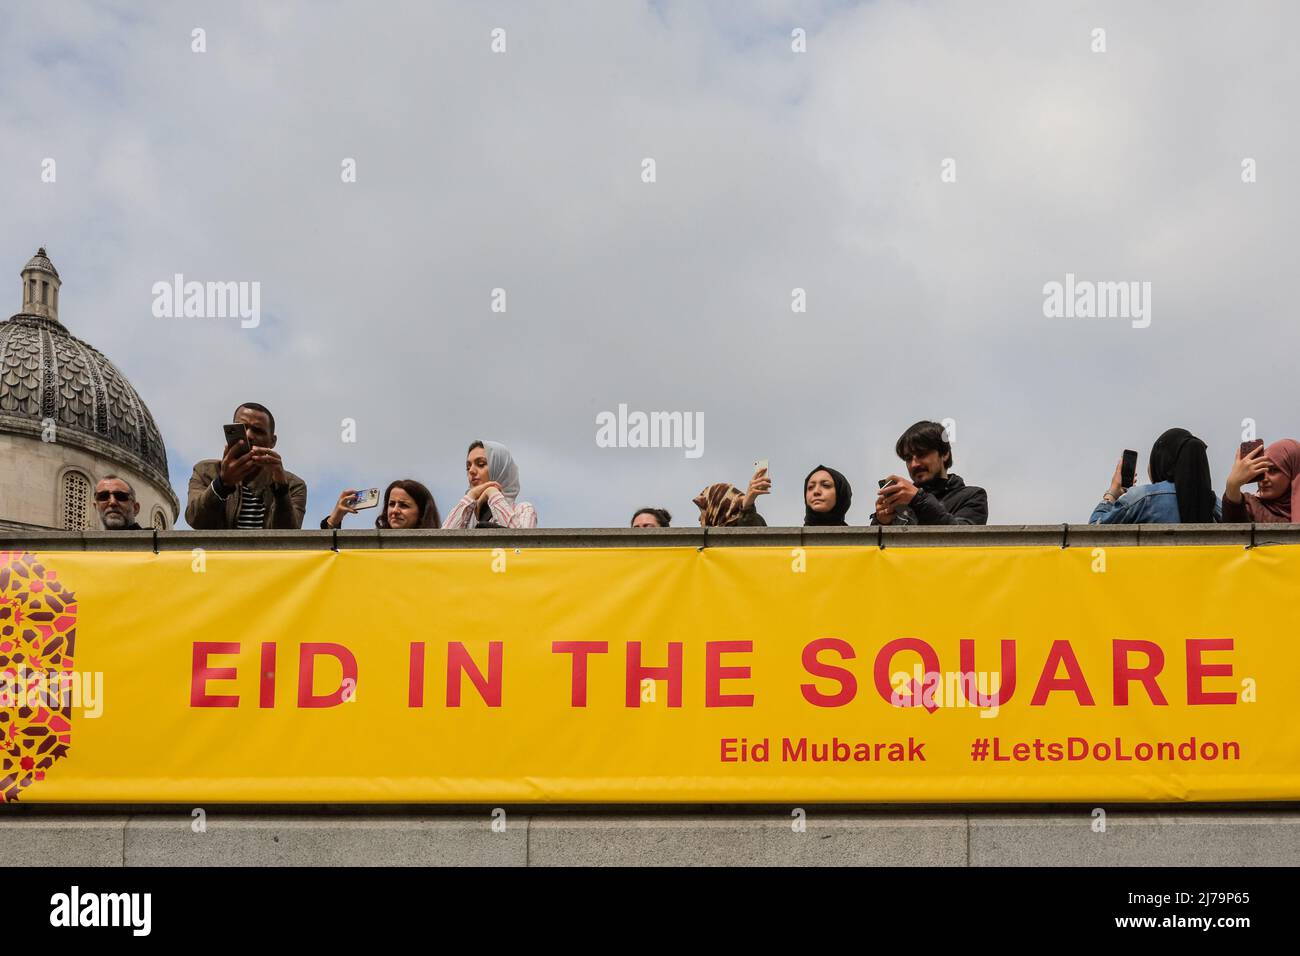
pixel 493 486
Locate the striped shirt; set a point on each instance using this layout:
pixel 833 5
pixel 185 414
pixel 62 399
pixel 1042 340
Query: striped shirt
pixel 252 509
pixel 505 514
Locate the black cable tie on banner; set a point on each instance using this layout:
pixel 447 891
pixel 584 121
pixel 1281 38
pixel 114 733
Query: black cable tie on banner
pixel 1252 536
pixel 334 540
pixel 1065 535
pixel 706 540
pixel 880 537
pixel 155 540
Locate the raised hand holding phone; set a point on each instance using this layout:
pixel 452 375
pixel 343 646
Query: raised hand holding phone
pixel 1116 488
pixel 1250 464
pixel 236 434
pixel 368 498
pixel 344 506
pixel 237 459
pixel 895 492
pixel 759 484
pixel 1128 468
pixel 884 503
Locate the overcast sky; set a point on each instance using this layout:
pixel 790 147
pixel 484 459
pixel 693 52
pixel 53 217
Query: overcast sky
pixel 775 170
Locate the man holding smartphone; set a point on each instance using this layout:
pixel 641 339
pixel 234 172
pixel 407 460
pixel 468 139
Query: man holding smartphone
pixel 248 487
pixel 929 495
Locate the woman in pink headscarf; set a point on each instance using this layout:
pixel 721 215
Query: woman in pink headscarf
pixel 1277 469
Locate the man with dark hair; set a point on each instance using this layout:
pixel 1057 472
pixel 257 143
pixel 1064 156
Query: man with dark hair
pixel 116 504
pixel 248 487
pixel 932 495
pixel 651 518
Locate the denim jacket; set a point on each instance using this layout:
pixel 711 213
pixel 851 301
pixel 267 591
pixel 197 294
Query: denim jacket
pixel 1146 504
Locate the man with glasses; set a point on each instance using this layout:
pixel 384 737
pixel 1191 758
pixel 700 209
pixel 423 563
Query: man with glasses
pixel 116 504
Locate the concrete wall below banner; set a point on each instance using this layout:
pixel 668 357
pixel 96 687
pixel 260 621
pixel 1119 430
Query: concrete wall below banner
pixel 931 536
pixel 839 837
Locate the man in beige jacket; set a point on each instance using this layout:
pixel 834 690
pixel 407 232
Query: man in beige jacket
pixel 248 487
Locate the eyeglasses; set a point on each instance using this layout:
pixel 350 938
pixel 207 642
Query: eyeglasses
pixel 116 495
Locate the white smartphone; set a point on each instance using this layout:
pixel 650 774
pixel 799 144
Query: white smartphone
pixel 760 465
pixel 366 499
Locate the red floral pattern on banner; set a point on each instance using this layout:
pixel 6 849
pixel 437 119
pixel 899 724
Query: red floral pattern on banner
pixel 38 634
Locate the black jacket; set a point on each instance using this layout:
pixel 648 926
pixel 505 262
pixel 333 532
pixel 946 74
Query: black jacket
pixel 945 501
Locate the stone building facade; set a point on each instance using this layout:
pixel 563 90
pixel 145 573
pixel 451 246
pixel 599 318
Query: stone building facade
pixel 68 416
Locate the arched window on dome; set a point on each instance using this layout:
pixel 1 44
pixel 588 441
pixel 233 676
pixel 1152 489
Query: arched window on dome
pixel 75 508
pixel 159 520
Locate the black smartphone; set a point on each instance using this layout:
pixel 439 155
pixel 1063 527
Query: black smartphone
pixel 886 482
pixel 235 433
pixel 1248 446
pixel 1128 469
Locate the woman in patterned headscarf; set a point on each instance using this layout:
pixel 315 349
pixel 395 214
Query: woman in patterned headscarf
pixel 726 506
pixel 493 486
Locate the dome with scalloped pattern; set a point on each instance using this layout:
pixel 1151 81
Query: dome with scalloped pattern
pixel 48 375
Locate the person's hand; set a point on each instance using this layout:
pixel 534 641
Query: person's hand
pixel 884 513
pixel 899 494
pixel 1116 485
pixel 235 467
pixel 343 507
pixel 760 484
pixel 478 491
pixel 1245 471
pixel 269 459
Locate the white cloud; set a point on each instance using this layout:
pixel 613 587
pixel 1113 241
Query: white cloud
pixel 775 170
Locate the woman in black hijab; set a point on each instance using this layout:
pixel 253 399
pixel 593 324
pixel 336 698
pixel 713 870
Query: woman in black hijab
pixel 1179 493
pixel 826 498
pixel 1179 456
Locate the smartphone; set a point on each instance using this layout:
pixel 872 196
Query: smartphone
pixel 1128 469
pixel 886 482
pixel 1248 446
pixel 236 433
pixel 760 465
pixel 366 499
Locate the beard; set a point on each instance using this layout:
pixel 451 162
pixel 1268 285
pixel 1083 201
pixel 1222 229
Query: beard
pixel 114 520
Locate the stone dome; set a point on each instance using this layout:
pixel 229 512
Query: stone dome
pixel 48 374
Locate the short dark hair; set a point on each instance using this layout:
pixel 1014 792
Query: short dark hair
pixel 660 514
pixel 117 478
pixel 257 408
pixel 924 437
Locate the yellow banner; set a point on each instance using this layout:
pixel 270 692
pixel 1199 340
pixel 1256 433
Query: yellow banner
pixel 651 675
